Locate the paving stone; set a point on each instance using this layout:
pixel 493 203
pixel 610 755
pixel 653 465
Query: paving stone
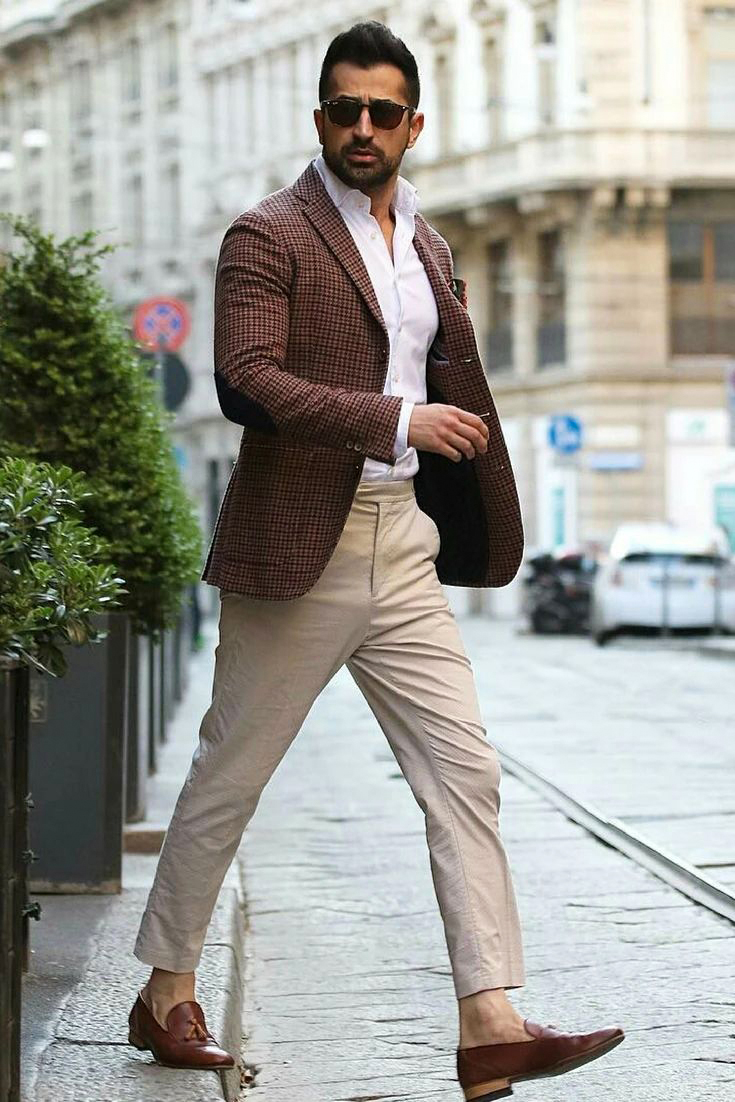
pixel 350 994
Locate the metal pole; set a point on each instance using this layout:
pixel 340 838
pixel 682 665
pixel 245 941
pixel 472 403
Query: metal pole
pixel 665 628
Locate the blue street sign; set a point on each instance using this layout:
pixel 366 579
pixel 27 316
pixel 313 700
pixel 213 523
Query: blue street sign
pixel 565 433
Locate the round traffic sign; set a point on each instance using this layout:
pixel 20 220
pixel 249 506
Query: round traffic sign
pixel 565 433
pixel 162 323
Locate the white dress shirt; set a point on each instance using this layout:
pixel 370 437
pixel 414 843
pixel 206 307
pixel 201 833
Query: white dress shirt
pixel 406 302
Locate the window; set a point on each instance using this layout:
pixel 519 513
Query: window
pixel 702 288
pixel 444 100
pixel 32 106
pixel 685 251
pixel 130 71
pixel 80 91
pixel 719 50
pixel 168 61
pixel 545 43
pixel 493 65
pixel 248 105
pixel 500 307
pixel 551 331
pixel 134 226
pixel 171 206
pixel 210 96
pixel 82 212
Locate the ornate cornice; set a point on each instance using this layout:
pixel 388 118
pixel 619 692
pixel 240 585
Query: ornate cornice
pixel 488 13
pixel 437 25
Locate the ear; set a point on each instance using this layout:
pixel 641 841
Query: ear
pixel 319 123
pixel 414 129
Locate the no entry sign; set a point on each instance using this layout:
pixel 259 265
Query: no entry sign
pixel 161 323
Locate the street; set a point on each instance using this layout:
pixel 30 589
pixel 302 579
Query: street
pixel 349 995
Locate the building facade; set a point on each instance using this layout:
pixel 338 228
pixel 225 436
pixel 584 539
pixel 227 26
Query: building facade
pixel 579 155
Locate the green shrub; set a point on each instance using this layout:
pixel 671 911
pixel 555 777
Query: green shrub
pixel 76 393
pixel 54 572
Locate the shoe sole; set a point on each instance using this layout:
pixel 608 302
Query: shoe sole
pixel 142 1046
pixel 502 1088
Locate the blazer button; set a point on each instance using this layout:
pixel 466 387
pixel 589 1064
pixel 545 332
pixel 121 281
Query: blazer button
pixel 350 444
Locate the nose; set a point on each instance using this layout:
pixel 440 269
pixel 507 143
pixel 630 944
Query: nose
pixel 363 128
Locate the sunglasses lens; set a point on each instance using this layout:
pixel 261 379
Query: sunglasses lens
pixel 385 115
pixel 343 112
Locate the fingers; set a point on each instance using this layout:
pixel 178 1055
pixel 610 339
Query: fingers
pixel 474 422
pixel 452 432
pixel 461 445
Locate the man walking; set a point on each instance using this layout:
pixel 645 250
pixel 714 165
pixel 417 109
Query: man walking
pixel 372 468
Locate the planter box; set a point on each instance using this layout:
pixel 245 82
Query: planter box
pixel 137 764
pixel 77 765
pixel 13 869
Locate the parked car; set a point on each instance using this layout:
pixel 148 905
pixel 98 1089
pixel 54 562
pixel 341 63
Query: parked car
pixel 558 589
pixel 666 577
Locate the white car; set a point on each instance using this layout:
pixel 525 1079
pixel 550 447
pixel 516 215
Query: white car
pixel 663 576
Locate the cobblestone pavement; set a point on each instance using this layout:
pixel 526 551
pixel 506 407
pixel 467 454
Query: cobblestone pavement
pixel 348 991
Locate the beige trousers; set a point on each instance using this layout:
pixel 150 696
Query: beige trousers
pixel 378 607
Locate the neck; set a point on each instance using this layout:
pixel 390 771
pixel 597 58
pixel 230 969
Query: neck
pixel 381 199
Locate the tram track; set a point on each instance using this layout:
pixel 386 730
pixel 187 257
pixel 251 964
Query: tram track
pixel 672 870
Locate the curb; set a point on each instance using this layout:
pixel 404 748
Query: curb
pixel 89 1055
pixel 717 651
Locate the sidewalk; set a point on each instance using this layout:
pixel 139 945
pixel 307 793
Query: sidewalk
pixel 83 977
pixel 349 995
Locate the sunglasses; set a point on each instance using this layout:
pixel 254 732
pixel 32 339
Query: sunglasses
pixel 384 113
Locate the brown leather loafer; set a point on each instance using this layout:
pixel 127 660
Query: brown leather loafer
pixel 487 1072
pixel 185 1043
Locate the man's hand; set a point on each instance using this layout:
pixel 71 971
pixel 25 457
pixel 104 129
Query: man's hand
pixel 448 431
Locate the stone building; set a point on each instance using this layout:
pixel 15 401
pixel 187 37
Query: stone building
pixel 579 155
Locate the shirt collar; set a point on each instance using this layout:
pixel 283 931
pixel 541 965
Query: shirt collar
pixel 405 198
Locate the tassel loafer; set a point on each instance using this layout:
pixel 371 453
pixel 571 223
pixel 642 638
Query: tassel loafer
pixel 185 1043
pixel 488 1072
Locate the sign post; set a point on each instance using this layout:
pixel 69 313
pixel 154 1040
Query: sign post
pixel 730 392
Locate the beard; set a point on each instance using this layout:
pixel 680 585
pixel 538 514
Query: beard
pixel 363 177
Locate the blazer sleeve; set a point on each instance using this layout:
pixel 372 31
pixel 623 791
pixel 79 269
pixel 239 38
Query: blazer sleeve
pixel 251 325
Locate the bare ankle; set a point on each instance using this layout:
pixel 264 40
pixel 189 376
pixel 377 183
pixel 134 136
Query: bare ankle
pixel 170 982
pixel 487 1017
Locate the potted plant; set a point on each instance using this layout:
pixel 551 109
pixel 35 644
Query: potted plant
pixel 54 579
pixel 76 392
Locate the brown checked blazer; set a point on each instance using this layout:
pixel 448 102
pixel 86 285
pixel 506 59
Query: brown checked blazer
pixel 300 359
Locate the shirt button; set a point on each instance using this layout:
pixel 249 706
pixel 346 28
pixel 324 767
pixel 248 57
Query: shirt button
pixel 373 235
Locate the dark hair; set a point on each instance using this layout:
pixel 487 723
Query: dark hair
pixel 368 44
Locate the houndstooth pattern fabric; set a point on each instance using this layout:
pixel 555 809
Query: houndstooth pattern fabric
pixel 300 358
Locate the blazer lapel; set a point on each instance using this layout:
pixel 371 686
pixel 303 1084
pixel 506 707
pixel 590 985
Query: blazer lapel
pixel 328 222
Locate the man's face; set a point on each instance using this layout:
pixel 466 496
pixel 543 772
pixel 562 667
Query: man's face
pixel 364 156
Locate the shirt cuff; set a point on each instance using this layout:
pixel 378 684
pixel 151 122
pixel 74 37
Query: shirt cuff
pixel 401 444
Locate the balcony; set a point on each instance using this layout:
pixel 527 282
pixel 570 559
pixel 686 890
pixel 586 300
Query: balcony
pixel 577 159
